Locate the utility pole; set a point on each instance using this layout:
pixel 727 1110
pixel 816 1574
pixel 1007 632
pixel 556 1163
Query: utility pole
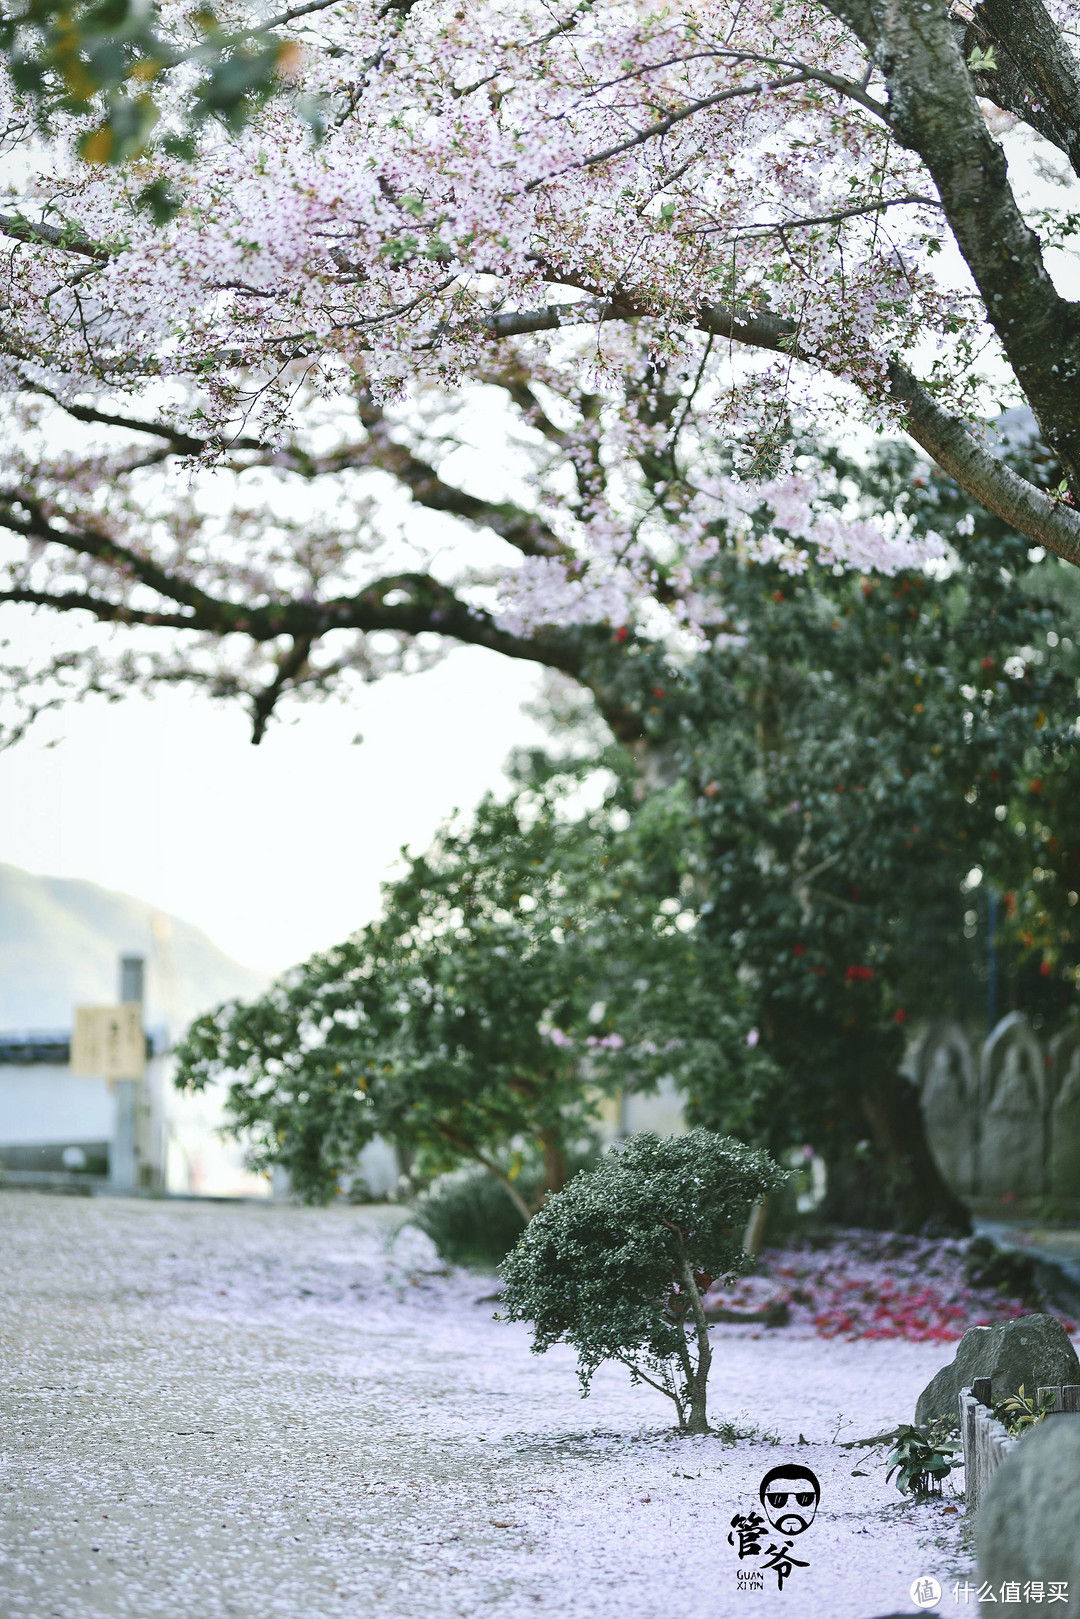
pixel 124 1161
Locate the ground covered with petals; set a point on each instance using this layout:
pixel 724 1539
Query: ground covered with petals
pixel 865 1284
pixel 243 1411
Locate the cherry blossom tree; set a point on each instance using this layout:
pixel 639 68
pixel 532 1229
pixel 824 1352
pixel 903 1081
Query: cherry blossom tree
pixel 663 240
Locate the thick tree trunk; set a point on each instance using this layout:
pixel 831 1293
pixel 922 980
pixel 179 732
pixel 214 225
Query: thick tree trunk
pixel 896 1185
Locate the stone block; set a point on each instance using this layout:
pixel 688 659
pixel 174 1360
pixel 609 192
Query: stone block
pixel 1028 1525
pixel 1032 1349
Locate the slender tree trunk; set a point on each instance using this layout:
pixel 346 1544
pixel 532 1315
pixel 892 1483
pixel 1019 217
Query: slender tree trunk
pixel 554 1149
pixel 697 1419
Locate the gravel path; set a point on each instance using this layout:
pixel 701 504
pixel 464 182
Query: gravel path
pixel 231 1411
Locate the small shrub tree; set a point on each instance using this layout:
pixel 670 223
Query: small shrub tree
pixel 615 1263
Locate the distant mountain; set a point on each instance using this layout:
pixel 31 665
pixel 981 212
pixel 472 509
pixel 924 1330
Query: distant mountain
pixel 60 942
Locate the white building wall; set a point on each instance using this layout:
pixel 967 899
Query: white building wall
pixel 44 1102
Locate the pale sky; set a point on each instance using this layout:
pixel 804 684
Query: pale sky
pixel 274 851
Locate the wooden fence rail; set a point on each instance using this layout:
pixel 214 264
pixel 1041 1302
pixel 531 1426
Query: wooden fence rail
pixel 986 1442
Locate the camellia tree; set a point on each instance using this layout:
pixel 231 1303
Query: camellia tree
pixel 616 1263
pixel 836 789
pixel 474 1022
pixel 433 1025
pixel 833 785
pixel 854 782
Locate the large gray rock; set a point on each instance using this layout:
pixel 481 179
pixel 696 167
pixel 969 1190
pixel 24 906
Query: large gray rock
pixel 1033 1350
pixel 1028 1527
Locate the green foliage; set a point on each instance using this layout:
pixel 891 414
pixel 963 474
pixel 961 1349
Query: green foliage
pixel 1017 1412
pixel 522 970
pixel 859 764
pixel 919 1457
pixel 614 1264
pixel 919 1460
pixel 429 1025
pixel 469 1217
pixel 109 61
pixel 441 1026
pixel 674 1002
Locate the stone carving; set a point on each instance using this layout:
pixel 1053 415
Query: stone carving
pixel 1012 1150
pixel 1011 1127
pixel 1063 1165
pixel 947 1081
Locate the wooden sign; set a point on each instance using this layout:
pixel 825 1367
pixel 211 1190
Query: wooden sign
pixel 108 1042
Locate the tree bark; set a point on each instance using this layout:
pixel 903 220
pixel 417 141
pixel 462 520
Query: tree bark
pixel 697 1420
pixel 896 1185
pixel 933 112
pixel 554 1150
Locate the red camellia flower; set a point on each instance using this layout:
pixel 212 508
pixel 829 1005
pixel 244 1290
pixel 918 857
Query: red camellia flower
pixel 1035 785
pixel 1045 969
pixel 621 633
pixel 799 950
pixel 899 1016
pixel 778 595
pixel 658 691
pixel 987 663
pixel 859 974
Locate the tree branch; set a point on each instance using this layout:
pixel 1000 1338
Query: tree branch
pixel 645 1378
pixel 66 237
pixel 1037 78
pixel 491 1166
pixel 179 441
pixel 935 114
pixel 106 612
pixel 521 529
pixel 1046 522
pixel 289 666
pixel 206 610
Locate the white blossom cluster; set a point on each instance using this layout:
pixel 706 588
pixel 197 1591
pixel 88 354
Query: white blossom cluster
pixel 563 188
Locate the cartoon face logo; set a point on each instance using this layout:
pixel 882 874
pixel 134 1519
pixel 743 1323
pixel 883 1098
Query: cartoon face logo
pixel 790 1496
